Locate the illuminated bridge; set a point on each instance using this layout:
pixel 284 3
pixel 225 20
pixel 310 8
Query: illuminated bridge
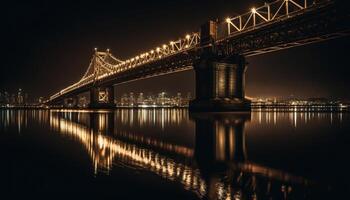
pixel 217 54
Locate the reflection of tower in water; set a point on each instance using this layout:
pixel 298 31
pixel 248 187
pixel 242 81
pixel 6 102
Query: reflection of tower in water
pixel 220 137
pixel 102 123
pixel 221 155
pixel 220 145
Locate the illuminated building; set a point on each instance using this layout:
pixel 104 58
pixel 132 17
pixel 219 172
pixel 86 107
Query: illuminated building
pixel 20 98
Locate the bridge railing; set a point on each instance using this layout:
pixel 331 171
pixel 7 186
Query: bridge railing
pixel 267 13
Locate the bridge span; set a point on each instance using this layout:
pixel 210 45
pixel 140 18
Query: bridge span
pixel 217 53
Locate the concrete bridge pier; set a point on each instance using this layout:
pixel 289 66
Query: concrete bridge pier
pixel 102 97
pixel 220 78
pixel 220 84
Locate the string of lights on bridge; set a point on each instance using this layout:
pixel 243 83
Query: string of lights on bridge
pixel 188 42
pixel 104 64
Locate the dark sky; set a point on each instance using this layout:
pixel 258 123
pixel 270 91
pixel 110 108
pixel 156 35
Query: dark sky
pixel 47 45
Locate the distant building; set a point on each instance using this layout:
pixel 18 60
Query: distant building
pixel 41 100
pixel 13 99
pixel 131 99
pixel 1 99
pixel 178 99
pixel 124 100
pixel 26 99
pixel 161 98
pixel 20 98
pixel 6 98
pixel 140 99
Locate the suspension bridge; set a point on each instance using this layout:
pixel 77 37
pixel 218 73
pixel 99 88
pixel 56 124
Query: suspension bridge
pixel 217 54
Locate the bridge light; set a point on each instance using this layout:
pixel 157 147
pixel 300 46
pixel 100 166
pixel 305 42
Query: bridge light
pixel 188 36
pixel 147 54
pixel 95 49
pixel 137 57
pixel 228 20
pixel 152 52
pixel 171 43
pixel 107 50
pixel 132 59
pixel 158 49
pixel 186 46
pixel 164 46
pixel 253 10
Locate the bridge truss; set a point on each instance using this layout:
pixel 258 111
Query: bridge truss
pixel 269 12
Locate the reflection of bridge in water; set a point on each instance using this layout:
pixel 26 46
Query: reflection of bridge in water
pixel 215 166
pixel 104 149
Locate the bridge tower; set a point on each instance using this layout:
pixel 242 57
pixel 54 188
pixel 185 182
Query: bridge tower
pixel 220 79
pixel 102 97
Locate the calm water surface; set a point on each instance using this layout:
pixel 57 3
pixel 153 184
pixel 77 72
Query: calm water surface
pixel 171 154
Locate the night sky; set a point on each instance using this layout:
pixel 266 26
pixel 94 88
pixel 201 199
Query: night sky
pixel 47 45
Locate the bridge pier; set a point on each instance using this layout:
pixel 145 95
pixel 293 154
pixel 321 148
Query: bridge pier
pixel 220 78
pixel 220 85
pixel 102 97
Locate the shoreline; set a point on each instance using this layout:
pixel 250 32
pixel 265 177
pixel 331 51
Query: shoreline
pixel 315 109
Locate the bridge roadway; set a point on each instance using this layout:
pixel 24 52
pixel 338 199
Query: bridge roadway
pixel 217 54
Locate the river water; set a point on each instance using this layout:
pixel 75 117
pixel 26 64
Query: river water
pixel 173 154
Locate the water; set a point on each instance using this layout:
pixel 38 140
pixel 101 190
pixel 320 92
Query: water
pixel 171 154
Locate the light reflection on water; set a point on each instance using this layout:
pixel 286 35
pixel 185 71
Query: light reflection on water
pixel 296 118
pixel 206 153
